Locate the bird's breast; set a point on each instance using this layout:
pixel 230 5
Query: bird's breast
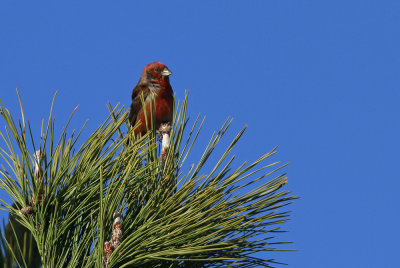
pixel 154 90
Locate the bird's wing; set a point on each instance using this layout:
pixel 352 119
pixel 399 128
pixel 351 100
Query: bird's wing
pixel 136 105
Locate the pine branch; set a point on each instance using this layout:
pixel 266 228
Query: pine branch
pixel 171 214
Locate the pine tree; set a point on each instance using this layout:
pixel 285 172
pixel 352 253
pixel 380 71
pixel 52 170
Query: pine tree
pixel 118 201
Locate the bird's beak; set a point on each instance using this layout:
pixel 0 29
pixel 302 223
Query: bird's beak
pixel 166 72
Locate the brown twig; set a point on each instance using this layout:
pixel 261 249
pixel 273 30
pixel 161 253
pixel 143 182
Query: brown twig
pixel 27 210
pixel 108 250
pixel 38 160
pixel 116 238
pixel 38 157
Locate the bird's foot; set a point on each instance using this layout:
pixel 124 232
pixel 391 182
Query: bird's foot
pixel 163 129
pixel 163 136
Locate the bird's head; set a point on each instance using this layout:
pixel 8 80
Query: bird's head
pixel 156 71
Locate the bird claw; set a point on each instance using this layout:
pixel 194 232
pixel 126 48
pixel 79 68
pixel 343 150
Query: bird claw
pixel 163 136
pixel 163 129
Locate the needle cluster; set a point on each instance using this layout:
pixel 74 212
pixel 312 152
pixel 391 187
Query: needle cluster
pixel 170 213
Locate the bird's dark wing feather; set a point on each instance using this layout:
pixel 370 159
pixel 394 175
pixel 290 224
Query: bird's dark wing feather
pixel 136 106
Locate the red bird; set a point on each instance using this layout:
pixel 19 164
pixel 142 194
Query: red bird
pixel 154 79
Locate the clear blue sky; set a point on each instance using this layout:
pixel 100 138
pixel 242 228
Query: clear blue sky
pixel 318 78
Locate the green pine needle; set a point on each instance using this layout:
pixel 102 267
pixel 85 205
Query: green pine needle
pixel 174 213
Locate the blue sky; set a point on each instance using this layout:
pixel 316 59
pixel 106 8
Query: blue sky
pixel 318 78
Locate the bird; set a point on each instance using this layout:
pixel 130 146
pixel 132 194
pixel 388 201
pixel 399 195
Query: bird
pixel 155 80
